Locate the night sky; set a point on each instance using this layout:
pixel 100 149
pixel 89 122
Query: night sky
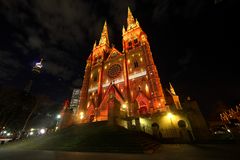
pixel 193 44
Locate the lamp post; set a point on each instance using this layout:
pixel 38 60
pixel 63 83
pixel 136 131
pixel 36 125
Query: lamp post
pixel 58 117
pixel 96 113
pixel 81 116
pixel 124 107
pixel 170 116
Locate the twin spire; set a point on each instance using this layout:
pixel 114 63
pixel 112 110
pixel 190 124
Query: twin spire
pixel 131 23
pixel 104 40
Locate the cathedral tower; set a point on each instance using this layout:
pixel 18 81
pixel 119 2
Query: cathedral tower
pixel 140 60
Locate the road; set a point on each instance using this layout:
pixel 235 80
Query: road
pixel 165 152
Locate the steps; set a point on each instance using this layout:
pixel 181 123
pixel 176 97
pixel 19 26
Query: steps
pixel 93 137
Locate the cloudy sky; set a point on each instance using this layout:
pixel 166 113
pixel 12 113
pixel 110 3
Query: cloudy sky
pixel 192 43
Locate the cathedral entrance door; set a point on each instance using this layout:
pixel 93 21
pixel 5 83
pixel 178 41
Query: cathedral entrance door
pixel 142 108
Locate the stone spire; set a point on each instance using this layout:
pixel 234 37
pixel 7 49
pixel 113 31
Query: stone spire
pixel 131 23
pixel 172 89
pixel 104 36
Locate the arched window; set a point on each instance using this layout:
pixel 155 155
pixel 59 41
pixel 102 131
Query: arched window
pixel 182 124
pixel 135 63
pixel 95 77
pixel 129 43
pixel 135 41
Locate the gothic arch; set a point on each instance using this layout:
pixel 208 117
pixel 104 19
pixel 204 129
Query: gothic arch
pixel 156 130
pixel 143 104
pixel 91 112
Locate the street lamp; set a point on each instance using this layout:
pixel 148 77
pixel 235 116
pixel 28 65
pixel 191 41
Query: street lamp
pixel 58 116
pixel 170 116
pixel 81 115
pixel 124 106
pixel 42 131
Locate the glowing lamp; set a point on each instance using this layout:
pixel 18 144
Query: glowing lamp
pixel 81 115
pixel 170 115
pixel 124 106
pixel 31 133
pixel 42 131
pixel 58 116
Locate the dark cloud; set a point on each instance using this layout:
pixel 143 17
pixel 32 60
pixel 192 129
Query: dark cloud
pixel 160 10
pixel 35 42
pixel 58 70
pixel 118 11
pixel 66 21
pixel 186 59
pixel 9 66
pixel 77 82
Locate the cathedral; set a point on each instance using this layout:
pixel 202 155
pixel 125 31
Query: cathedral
pixel 130 75
pixel 123 87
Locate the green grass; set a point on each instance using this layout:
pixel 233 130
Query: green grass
pixel 93 137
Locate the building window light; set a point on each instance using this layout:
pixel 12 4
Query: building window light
pixel 146 89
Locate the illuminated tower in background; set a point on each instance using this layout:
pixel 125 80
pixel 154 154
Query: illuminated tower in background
pixel 36 70
pixel 126 81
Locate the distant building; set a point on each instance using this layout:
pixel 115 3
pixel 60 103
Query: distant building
pixel 199 125
pixel 75 100
pixel 65 115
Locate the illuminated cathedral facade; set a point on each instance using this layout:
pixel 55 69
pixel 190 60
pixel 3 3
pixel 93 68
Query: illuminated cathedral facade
pixel 130 76
pixel 124 87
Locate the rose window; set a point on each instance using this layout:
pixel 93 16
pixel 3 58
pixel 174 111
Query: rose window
pixel 114 70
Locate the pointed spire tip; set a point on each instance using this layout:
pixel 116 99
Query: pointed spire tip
pixel 104 35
